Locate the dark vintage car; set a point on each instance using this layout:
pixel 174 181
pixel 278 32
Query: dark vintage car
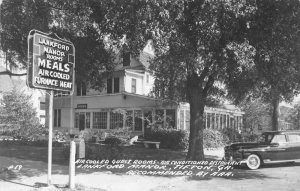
pixel 271 147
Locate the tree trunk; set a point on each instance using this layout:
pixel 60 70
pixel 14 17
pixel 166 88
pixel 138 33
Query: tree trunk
pixel 197 103
pixel 275 114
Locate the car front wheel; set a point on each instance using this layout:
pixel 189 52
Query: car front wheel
pixel 253 162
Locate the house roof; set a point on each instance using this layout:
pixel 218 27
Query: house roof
pixel 136 64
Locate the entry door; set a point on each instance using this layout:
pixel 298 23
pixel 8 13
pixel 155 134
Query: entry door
pixel 81 121
pixel 147 122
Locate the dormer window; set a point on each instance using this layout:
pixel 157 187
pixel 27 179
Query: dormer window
pixel 126 59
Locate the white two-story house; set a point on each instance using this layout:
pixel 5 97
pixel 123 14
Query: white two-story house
pixel 125 102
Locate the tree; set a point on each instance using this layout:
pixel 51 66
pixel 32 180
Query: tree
pixel 274 33
pixel 17 112
pixel 72 19
pixel 202 44
pixel 17 19
pixel 204 48
pixel 256 115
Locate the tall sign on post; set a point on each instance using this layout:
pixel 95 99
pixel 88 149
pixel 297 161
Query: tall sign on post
pixel 51 64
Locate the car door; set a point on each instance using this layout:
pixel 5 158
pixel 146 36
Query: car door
pixel 278 149
pixel 294 146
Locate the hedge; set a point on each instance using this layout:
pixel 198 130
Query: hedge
pixel 169 138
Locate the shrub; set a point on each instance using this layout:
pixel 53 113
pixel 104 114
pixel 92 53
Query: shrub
pixel 97 152
pixel 18 113
pixel 169 138
pixel 114 141
pixel 60 136
pixel 213 138
pixel 232 135
pixel 86 134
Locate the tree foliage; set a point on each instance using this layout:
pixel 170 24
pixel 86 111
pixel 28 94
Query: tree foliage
pixel 204 49
pixel 17 19
pixel 273 31
pixel 200 47
pixel 73 20
pixel 18 113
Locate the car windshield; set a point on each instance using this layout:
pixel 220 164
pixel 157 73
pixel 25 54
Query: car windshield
pixel 265 138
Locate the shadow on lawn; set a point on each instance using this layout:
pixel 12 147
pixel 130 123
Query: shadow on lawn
pixel 32 153
pixel 34 161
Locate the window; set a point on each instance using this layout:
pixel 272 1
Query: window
pixel 116 85
pixel 126 59
pixel 109 86
pixel 278 139
pixel 100 120
pixel 87 119
pixel 170 118
pixel 187 119
pixel 147 119
pixel 147 79
pixel 129 119
pixel 76 120
pixel 57 118
pixel 138 120
pixel 81 89
pixel 159 117
pixel 182 119
pixel 294 138
pixel 133 85
pixel 116 120
pixel 113 85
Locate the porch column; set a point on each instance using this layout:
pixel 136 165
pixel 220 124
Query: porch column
pixel 219 122
pixel 235 122
pixel 153 117
pixel 222 120
pixel 165 118
pixel 184 119
pixel 238 121
pixel 226 125
pixel 211 121
pixel 215 121
pixel 143 125
pixel 205 120
pixel 242 123
pixel 124 120
pixel 108 120
pixel 91 120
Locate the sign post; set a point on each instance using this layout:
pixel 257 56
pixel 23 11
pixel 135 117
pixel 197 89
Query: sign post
pixel 51 64
pixel 50 137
